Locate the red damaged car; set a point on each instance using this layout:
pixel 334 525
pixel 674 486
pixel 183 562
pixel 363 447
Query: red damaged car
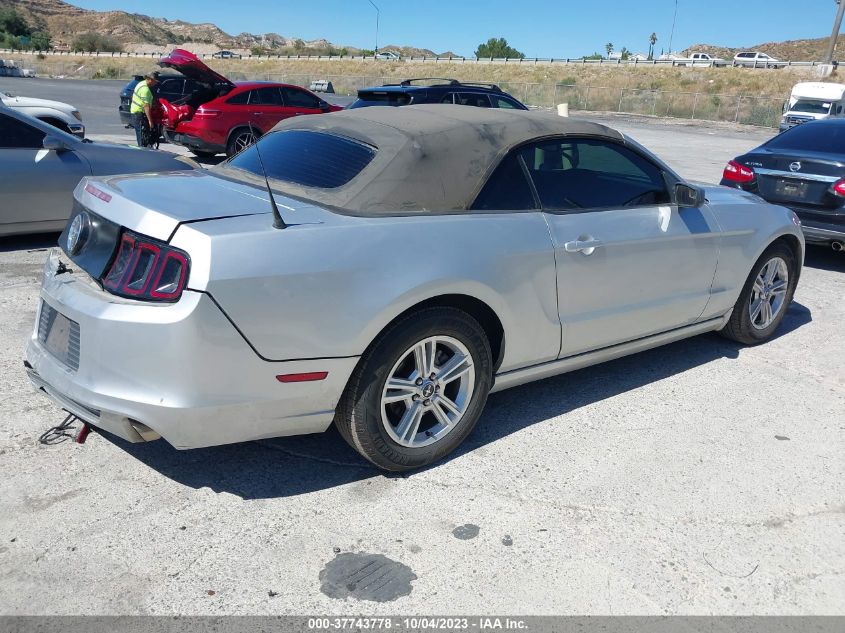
pixel 224 116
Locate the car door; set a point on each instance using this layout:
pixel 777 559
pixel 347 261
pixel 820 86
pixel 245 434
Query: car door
pixel 266 107
pixel 37 183
pixel 298 102
pixel 630 262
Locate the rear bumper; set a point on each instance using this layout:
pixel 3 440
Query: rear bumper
pixel 193 142
pixel 180 371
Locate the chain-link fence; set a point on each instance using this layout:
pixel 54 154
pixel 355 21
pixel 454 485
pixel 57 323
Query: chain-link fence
pixel 752 110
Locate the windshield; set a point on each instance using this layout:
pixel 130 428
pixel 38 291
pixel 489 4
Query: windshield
pixel 827 137
pixel 303 157
pixel 812 107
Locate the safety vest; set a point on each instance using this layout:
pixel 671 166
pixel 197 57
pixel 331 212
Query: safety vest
pixel 141 96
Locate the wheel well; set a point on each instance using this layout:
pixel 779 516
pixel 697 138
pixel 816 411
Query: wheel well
pixel 243 128
pixel 478 310
pixel 792 242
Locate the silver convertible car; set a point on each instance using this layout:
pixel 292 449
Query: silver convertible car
pixel 408 262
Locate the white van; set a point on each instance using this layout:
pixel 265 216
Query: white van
pixel 813 100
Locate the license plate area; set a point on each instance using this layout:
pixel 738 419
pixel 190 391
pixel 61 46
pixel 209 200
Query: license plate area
pixel 59 335
pixel 791 189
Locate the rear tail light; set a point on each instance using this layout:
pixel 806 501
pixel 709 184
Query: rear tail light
pixel 735 172
pixel 839 188
pixel 204 113
pixel 147 269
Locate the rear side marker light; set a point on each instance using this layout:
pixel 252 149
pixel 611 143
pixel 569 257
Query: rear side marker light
pixel 147 269
pixel 735 172
pixel 101 195
pixel 313 376
pixel 839 188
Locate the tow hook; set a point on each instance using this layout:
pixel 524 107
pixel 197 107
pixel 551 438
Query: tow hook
pixel 82 433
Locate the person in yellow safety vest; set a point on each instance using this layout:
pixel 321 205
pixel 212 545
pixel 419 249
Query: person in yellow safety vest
pixel 142 103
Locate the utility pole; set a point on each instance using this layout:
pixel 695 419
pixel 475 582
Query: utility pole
pixel 837 24
pixel 672 34
pixel 377 17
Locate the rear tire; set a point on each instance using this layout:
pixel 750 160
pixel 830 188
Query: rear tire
pixel 765 297
pixel 240 140
pixel 425 414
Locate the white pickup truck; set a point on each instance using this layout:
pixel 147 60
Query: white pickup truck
pixel 61 115
pixel 811 101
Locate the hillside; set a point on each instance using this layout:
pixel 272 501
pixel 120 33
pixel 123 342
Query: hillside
pixel 792 50
pixel 141 33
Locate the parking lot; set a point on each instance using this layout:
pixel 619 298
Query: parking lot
pixel 698 478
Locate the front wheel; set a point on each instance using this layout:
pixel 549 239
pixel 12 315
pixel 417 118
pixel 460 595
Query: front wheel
pixel 765 297
pixel 418 391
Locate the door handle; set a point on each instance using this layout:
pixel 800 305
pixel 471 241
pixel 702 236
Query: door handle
pixel 582 246
pixel 257 113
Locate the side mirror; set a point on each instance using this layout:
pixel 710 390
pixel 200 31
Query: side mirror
pixel 688 196
pixel 54 143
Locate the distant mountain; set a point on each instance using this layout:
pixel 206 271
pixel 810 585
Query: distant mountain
pixel 793 50
pixel 141 33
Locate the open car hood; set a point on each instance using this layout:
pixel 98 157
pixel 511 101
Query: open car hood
pixel 192 67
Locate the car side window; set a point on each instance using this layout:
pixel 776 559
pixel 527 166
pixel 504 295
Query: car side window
pixel 16 134
pixel 295 98
pixel 573 174
pixel 472 99
pixel 502 102
pixel 266 96
pixel 171 89
pixel 242 98
pixel 507 189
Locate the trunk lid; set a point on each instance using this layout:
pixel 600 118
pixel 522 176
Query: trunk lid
pixel 804 178
pixel 193 68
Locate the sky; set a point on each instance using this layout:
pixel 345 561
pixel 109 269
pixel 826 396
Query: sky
pixel 539 28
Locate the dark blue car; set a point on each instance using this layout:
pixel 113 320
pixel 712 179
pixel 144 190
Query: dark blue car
pixel 437 90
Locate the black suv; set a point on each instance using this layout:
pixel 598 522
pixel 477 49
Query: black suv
pixel 437 91
pixel 170 87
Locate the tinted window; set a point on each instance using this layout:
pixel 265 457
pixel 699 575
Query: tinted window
pixel 503 102
pixel 18 135
pixel 171 89
pixel 506 189
pixel 266 96
pixel 472 99
pixel 371 98
pixel 295 98
pixel 811 137
pixel 590 174
pixel 311 159
pixel 242 98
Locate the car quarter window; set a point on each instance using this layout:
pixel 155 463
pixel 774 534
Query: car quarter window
pixel 296 98
pixel 571 174
pixel 16 134
pixel 242 98
pixel 502 102
pixel 507 189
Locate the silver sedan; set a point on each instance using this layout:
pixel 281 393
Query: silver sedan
pixel 40 165
pixel 408 262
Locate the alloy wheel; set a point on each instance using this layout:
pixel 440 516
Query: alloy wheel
pixel 427 391
pixel 243 140
pixel 768 294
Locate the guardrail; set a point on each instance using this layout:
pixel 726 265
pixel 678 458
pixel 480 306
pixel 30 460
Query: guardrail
pixel 448 60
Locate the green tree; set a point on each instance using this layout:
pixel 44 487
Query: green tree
pixel 12 22
pixel 40 42
pixel 93 42
pixel 626 54
pixel 498 47
pixel 652 40
pixel 609 48
pixel 298 45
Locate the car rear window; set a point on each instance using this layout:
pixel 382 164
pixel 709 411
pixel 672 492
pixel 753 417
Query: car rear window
pixel 303 157
pixel 828 138
pixel 381 98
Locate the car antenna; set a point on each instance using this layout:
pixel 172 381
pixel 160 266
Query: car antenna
pixel 278 222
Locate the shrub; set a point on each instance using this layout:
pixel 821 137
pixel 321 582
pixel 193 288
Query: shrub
pixel 93 42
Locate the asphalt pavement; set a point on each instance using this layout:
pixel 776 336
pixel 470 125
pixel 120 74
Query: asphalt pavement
pixel 699 478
